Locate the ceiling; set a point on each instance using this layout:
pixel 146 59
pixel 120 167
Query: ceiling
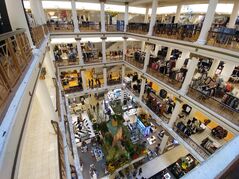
pixel 148 3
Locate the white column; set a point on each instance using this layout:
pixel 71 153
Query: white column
pixel 147 57
pixel 74 16
pixel 178 12
pixel 157 48
pixel 49 65
pixel 52 52
pixel 153 17
pixel 234 15
pixel 142 88
pixel 79 50
pixel 177 110
pixel 227 71
pixel 142 45
pixel 17 17
pixel 163 143
pixel 35 9
pixel 169 53
pixel 83 80
pixel 43 16
pixel 124 47
pixel 207 22
pixel 180 61
pixel 146 17
pixel 103 49
pixel 123 85
pixel 213 68
pixel 102 15
pixel 105 76
pixel 189 76
pixel 126 16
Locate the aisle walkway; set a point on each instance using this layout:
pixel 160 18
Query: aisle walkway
pixel 156 165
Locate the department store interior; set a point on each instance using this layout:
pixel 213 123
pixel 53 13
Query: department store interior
pixel 119 89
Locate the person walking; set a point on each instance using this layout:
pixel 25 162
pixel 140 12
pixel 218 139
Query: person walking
pixel 140 171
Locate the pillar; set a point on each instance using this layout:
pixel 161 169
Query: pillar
pixel 147 57
pixel 103 49
pixel 234 15
pixel 189 76
pixel 123 85
pixel 146 17
pixel 49 64
pixel 142 45
pixel 207 22
pixel 83 80
pixel 178 12
pixel 79 50
pixel 169 52
pixel 157 48
pixel 124 47
pixel 42 12
pixel 35 9
pixel 51 46
pixel 105 76
pixel 126 16
pixel 74 16
pixel 180 61
pixel 153 17
pixel 227 71
pixel 213 68
pixel 163 143
pixel 176 111
pixel 102 15
pixel 17 17
pixel 142 88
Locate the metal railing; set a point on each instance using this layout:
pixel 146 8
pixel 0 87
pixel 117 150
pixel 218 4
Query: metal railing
pixel 60 27
pixel 111 28
pixel 87 27
pixel 15 54
pixel 223 40
pixel 165 78
pixel 215 105
pixel 134 62
pixel 140 28
pixel 60 146
pixel 187 32
pixel 38 35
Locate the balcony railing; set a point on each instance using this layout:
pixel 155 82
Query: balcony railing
pixel 111 28
pixel 166 78
pixel 60 27
pixel 89 27
pixel 228 38
pixel 38 35
pixel 189 32
pixel 140 28
pixel 60 146
pixel 114 56
pixel 15 54
pixel 136 63
pixel 215 104
pixel 112 82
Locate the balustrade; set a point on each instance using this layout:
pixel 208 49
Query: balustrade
pixel 15 54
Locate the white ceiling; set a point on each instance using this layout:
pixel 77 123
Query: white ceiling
pixel 147 3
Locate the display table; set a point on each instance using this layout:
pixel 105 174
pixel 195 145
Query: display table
pixel 151 140
pixel 98 154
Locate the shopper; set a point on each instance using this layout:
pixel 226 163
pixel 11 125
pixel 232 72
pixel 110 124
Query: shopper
pixel 92 83
pixel 140 171
pixel 89 82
